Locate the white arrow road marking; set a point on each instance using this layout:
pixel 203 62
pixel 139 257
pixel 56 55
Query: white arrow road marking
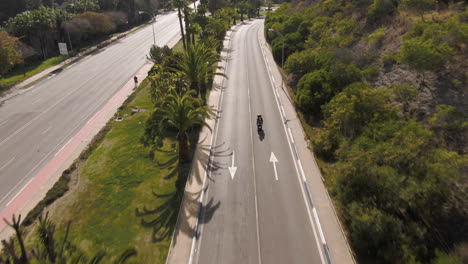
pixel 232 169
pixel 273 159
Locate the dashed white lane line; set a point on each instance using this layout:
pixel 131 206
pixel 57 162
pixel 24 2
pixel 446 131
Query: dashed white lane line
pixel 4 122
pixel 69 66
pixel 45 131
pixel 282 111
pixel 8 163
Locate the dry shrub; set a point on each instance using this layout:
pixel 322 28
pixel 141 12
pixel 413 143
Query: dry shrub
pixel 99 23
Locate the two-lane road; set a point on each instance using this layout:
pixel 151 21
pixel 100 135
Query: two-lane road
pixel 260 215
pixel 35 125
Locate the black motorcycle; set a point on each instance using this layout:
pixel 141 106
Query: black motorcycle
pixel 259 122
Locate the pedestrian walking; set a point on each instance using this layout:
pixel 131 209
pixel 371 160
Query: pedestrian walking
pixel 136 80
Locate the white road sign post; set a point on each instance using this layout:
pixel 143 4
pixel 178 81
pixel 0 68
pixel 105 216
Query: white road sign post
pixel 63 48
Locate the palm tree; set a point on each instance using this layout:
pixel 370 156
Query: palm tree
pixel 180 111
pixel 49 250
pixel 196 63
pixel 180 5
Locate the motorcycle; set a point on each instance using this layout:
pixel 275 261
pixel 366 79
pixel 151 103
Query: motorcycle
pixel 259 122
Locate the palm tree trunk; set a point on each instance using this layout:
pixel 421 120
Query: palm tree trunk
pixel 187 25
pixel 183 147
pixel 181 28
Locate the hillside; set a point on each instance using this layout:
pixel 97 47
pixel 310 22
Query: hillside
pixel 381 89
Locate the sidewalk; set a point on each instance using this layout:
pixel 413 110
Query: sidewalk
pixel 333 237
pixel 180 250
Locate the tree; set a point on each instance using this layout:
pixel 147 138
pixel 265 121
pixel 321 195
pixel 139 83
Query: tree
pixel 450 125
pixel 81 6
pixel 419 6
pixel 181 111
pixel 9 8
pixel 195 63
pixel 9 53
pixel 158 54
pixel 355 107
pixel 180 4
pixel 99 23
pixel 48 249
pixel 405 94
pixel 424 55
pixel 39 26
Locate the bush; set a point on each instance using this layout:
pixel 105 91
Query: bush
pixel 375 38
pixel 99 23
pixel 9 53
pixel 424 55
pixel 380 9
pixel 301 62
pixel 119 19
pixel 158 54
pixel 313 91
pixel 389 59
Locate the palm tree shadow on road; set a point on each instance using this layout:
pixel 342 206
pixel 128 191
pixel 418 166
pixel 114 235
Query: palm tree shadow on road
pixel 162 218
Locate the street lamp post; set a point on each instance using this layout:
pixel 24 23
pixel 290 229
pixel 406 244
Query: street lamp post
pixel 153 19
pixel 282 53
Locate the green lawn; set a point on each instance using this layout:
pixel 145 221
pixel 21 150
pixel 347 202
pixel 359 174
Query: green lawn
pixel 117 180
pixel 21 73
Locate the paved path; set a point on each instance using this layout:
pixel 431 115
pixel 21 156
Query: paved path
pixel 257 205
pixel 43 129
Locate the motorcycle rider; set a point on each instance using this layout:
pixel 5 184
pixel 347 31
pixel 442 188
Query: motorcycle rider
pixel 259 121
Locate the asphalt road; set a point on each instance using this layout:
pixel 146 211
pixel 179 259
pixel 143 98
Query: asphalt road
pixel 37 124
pixel 258 216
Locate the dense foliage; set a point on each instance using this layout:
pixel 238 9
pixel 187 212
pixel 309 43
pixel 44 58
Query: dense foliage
pixel 179 81
pixel 397 179
pixel 41 24
pixel 9 54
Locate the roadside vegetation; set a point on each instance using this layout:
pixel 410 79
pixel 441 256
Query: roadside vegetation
pixel 380 85
pixel 122 196
pixel 30 31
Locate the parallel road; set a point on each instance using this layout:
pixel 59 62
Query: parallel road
pixel 35 125
pixel 257 211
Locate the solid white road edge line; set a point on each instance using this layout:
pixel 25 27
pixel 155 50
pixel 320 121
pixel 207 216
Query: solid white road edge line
pixel 290 135
pixel 295 161
pixel 20 191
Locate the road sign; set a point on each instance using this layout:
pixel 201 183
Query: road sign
pixel 63 48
